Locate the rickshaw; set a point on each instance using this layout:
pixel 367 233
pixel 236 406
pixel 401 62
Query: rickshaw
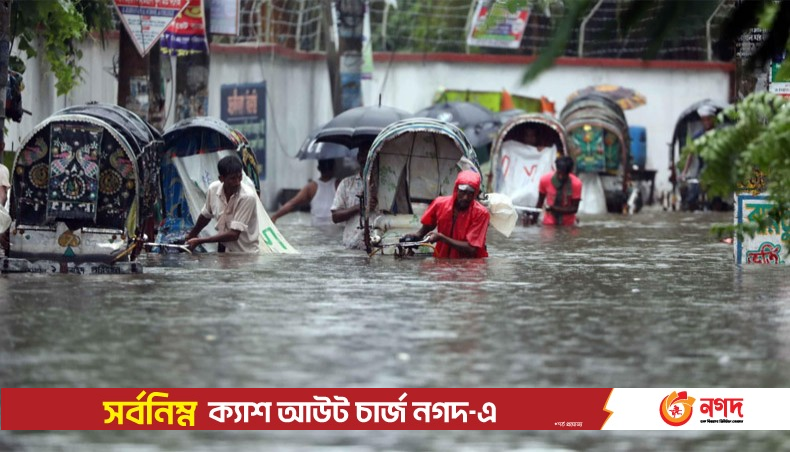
pixel 85 182
pixel 411 162
pixel 599 142
pixel 193 147
pixel 185 142
pixel 523 150
pixel 687 126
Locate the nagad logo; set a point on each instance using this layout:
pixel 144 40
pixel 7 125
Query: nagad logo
pixel 676 408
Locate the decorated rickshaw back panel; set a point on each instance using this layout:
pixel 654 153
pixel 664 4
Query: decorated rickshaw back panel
pixel 74 172
pixel 599 150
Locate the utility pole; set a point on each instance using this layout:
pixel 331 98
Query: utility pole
pixel 5 53
pixel 132 70
pixel 156 99
pixel 332 54
pixel 139 77
pixel 344 61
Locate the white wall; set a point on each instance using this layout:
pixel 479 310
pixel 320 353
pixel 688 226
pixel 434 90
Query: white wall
pixel 411 86
pixel 40 98
pixel 299 100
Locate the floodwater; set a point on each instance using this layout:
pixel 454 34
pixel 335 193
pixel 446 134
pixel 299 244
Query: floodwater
pixel 651 300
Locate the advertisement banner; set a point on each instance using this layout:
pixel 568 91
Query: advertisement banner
pixel 494 25
pixel 674 409
pixel 186 35
pixel 304 409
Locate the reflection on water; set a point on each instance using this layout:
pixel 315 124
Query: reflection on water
pixel 651 300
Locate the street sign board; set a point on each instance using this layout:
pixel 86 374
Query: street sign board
pixel 244 107
pixel 146 20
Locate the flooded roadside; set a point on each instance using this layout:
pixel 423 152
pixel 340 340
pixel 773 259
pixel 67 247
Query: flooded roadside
pixel 651 300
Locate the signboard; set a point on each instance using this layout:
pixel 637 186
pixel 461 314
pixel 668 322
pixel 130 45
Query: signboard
pixel 778 83
pixel 186 34
pixel 244 108
pixel 224 17
pixel 146 20
pixel 749 42
pixel 494 26
pixel 766 246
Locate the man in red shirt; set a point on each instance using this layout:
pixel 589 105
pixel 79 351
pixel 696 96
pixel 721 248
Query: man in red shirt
pixel 461 222
pixel 562 192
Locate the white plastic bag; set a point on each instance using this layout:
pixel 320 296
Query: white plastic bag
pixel 503 215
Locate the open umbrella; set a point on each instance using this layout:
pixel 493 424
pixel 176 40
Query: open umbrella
pixel 317 150
pixel 504 115
pixel 627 98
pixel 358 125
pixel 478 123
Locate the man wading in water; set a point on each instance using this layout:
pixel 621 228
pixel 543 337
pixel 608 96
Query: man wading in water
pixel 460 221
pixel 562 192
pixel 234 205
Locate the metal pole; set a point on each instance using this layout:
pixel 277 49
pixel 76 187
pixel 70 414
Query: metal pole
pixel 584 25
pixel 256 21
pixel 269 34
pixel 707 30
pixel 470 20
pixel 5 53
pixel 384 25
pixel 299 26
pixel 319 38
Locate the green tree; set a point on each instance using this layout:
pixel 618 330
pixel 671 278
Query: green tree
pixel 751 153
pixel 58 26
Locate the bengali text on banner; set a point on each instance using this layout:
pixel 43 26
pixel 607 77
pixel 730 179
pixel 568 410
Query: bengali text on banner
pixel 303 409
pixel 393 409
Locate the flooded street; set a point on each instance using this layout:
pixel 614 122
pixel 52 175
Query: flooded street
pixel 652 300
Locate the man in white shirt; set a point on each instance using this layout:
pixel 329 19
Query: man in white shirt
pixel 345 208
pixel 5 219
pixel 320 194
pixel 5 181
pixel 233 205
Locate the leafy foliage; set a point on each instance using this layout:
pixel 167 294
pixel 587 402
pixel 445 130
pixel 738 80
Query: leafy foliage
pixel 751 153
pixel 58 25
pixel 415 27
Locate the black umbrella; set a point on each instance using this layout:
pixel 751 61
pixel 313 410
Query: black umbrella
pixel 358 125
pixel 478 123
pixel 317 150
pixel 503 116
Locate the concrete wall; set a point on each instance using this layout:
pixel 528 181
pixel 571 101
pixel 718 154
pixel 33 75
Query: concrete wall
pixel 669 89
pixel 40 96
pixel 299 99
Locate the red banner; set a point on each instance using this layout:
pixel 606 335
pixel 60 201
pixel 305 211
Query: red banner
pixel 186 35
pixel 303 409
